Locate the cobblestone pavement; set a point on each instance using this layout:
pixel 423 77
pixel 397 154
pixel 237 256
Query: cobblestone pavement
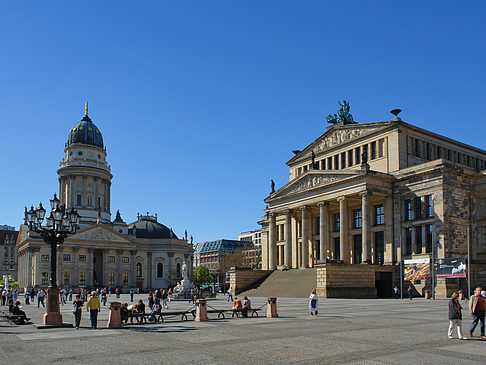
pixel 347 331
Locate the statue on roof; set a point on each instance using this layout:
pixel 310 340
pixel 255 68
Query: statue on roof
pixel 313 158
pixel 272 185
pixel 343 115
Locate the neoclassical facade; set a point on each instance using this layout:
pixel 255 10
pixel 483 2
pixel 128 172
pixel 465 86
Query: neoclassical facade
pixel 374 194
pixel 103 253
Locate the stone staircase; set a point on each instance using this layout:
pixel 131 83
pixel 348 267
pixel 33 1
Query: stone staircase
pixel 296 283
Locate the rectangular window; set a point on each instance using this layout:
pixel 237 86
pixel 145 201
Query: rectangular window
pixel 45 258
pixel 125 279
pixel 125 260
pixel 418 239
pixel 67 278
pixel 111 258
pixel 45 278
pixel 329 163
pixel 82 278
pixel 337 222
pixel 379 217
pixel 357 155
pixel 428 153
pixel 417 208
pixel 469 163
pixel 323 164
pixel 408 210
pixel 337 249
pixel 111 278
pixel 379 248
pixel 66 257
pixel 343 160
pixel 350 158
pixel 357 222
pixel 365 151
pixel 318 225
pixel 78 200
pixel 82 258
pixel 450 156
pixel 373 150
pixel 428 206
pixel 357 249
pixel 439 152
pixel 428 237
pixel 381 148
pixel 408 241
pixel 336 162
pixel 418 148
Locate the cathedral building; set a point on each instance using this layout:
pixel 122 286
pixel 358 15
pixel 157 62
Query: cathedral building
pixel 365 196
pixel 103 253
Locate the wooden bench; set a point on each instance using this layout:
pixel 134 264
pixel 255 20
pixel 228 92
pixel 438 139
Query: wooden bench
pixel 13 318
pixel 254 312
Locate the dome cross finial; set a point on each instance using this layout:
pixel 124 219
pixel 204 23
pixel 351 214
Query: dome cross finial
pixel 86 109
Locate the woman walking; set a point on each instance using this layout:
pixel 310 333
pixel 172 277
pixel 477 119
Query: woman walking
pixel 313 303
pixel 455 316
pixel 77 308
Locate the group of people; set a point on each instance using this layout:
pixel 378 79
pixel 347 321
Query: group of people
pixel 10 298
pixel 476 310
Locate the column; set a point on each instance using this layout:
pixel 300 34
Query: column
pixel 29 267
pixel 343 230
pixel 280 254
pixel 118 279
pixel 149 269
pixel 288 238
pixel 365 229
pixel 133 270
pixel 323 230
pixel 89 274
pixel 104 274
pixel 295 243
pixel 75 258
pixel 390 249
pixel 305 245
pixel 272 242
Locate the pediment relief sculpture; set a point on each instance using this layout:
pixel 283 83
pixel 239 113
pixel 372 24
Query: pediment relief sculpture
pixel 307 183
pixel 98 234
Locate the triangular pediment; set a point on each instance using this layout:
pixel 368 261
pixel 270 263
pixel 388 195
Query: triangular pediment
pixel 338 135
pixel 100 232
pixel 309 181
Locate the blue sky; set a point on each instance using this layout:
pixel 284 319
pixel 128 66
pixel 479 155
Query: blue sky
pixel 201 102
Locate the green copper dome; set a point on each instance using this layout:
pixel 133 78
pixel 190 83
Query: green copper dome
pixel 85 132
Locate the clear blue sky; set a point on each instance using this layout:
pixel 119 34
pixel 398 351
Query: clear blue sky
pixel 201 103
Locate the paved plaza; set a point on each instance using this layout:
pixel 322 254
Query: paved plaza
pixel 348 331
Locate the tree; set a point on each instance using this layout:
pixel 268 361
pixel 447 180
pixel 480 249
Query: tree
pixel 201 276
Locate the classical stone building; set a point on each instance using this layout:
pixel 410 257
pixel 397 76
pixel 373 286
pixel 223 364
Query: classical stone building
pixel 8 253
pixel 144 254
pixel 364 196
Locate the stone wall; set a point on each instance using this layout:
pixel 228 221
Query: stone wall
pixel 350 281
pixel 242 279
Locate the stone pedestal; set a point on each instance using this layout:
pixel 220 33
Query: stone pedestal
pixel 201 311
pixel 53 315
pixel 272 307
pixel 114 319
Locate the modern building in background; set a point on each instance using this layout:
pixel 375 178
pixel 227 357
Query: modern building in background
pixel 369 195
pixel 253 254
pixel 144 254
pixel 252 236
pixel 8 252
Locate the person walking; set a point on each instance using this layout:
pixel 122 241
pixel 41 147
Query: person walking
pixel 131 295
pixel 103 297
pixel 151 300
pixel 230 295
pixel 455 316
pixel 410 292
pixel 77 309
pixel 476 308
pixel 40 298
pixel 94 307
pixel 313 301
pixel 396 292
pixel 165 296
pixel 27 296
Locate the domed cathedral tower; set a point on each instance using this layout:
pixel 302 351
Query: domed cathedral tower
pixel 84 175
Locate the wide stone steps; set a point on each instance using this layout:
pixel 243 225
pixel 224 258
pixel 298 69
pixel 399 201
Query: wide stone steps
pixel 295 283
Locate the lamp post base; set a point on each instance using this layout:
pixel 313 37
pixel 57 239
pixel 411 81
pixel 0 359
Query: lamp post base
pixel 53 315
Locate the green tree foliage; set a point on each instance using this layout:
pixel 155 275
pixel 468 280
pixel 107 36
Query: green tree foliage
pixel 201 276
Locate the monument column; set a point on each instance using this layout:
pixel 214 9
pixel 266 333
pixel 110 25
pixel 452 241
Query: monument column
pixel 29 267
pixel 288 238
pixel 305 238
pixel 365 227
pixel 323 230
pixel 272 244
pixel 343 230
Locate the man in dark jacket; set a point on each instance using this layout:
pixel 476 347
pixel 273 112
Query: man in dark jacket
pixel 455 316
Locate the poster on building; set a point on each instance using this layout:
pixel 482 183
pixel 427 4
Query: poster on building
pixel 451 268
pixel 416 269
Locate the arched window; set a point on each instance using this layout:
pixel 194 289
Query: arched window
pixel 160 270
pixel 139 269
pixel 178 270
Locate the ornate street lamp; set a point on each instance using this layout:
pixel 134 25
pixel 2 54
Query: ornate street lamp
pixel 59 224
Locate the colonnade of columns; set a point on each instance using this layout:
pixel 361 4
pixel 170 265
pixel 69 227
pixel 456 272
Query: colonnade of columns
pixel 298 247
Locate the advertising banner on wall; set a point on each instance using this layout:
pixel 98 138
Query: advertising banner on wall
pixel 451 268
pixel 416 269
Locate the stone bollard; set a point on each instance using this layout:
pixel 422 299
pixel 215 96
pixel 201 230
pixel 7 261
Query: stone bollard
pixel 272 307
pixel 201 311
pixel 114 320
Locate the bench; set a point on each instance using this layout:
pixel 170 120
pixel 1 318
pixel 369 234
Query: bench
pixel 254 312
pixel 13 318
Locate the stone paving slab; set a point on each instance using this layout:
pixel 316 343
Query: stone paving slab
pixel 348 331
